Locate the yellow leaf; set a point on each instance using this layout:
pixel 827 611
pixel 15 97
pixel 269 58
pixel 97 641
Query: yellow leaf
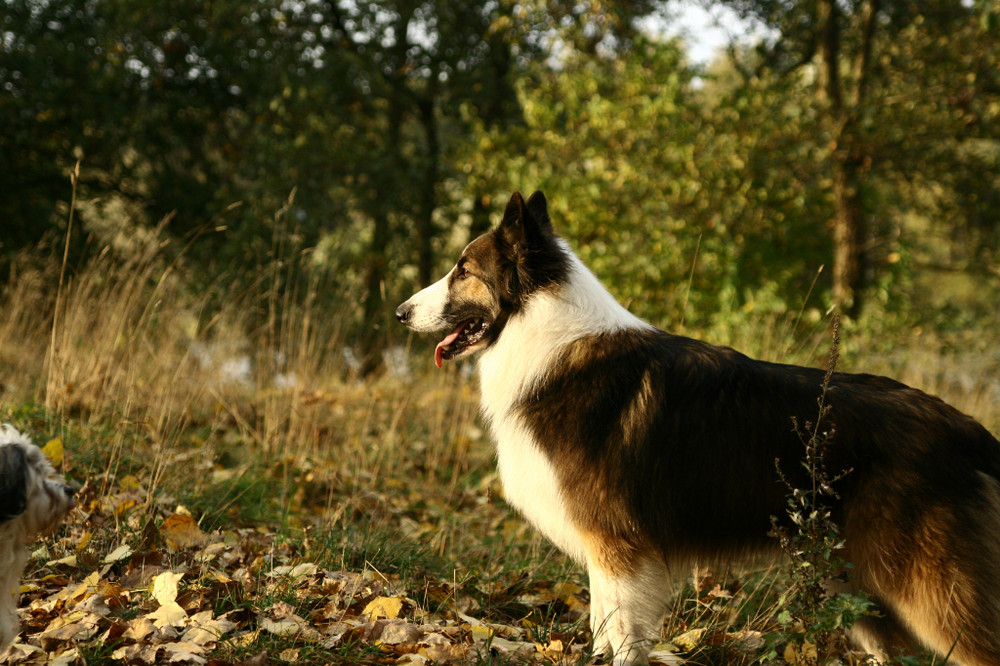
pixel 481 632
pixel 84 541
pixel 689 640
pixel 53 450
pixel 387 607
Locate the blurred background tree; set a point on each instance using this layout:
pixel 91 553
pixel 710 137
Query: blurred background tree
pixel 374 138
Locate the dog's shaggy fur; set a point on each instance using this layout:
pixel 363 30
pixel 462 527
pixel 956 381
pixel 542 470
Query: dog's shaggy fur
pixel 31 502
pixel 641 453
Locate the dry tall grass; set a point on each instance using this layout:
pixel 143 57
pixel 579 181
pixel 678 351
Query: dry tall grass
pixel 257 375
pixel 127 344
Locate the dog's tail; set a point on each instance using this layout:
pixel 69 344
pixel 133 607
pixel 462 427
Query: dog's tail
pixel 935 580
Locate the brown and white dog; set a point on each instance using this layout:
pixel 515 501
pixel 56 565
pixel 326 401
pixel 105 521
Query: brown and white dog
pixel 607 427
pixel 31 502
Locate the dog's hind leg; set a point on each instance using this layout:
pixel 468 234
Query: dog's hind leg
pixel 626 605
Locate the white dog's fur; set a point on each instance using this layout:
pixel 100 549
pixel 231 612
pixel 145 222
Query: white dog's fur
pixel 31 502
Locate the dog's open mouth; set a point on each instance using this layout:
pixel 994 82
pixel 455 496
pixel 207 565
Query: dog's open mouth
pixel 465 335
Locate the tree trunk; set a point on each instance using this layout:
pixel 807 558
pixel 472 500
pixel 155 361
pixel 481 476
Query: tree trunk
pixel 850 230
pixel 425 218
pixel 376 312
pixel 850 157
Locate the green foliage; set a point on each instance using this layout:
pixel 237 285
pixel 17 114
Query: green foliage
pixel 386 133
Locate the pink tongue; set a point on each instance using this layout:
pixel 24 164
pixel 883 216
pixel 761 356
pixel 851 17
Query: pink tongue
pixel 439 350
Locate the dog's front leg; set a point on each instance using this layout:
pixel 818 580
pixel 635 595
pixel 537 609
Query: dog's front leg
pixel 626 607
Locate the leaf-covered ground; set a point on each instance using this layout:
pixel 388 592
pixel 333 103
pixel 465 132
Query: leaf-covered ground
pixel 187 557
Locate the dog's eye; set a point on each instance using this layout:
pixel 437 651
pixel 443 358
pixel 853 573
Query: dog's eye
pixel 463 273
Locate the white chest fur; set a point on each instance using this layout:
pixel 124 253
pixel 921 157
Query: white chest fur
pixel 520 360
pixel 531 486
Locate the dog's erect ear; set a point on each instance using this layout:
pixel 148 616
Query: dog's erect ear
pixel 526 222
pixel 538 210
pixel 13 482
pixel 512 216
pixel 527 242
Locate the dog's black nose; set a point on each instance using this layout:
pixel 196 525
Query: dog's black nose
pixel 69 492
pixel 403 312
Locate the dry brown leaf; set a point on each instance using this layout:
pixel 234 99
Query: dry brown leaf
pixel 181 531
pixel 140 630
pixel 400 631
pixel 445 653
pixel 283 627
pixel 206 630
pixel 689 640
pixel 137 654
pixel 184 652
pixel 291 655
pixel 69 657
pixel 800 655
pixel 51 638
pixel 122 552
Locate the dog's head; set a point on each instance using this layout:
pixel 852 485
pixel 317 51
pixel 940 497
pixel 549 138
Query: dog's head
pixel 31 498
pixel 491 282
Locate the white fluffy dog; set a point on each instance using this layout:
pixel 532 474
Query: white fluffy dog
pixel 31 502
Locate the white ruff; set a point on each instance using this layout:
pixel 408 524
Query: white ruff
pixel 519 360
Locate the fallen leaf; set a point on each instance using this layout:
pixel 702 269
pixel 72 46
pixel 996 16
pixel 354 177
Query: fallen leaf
pixel 164 588
pixel 68 561
pixel 120 553
pixel 168 614
pixel 400 631
pixel 445 653
pixel 290 655
pixel 139 630
pixel 67 658
pixel 129 482
pixel 181 531
pixel 689 640
pixel 283 627
pixel 662 653
pixel 53 450
pixel 387 607
pixel 205 631
pixel 183 651
pixel 84 542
